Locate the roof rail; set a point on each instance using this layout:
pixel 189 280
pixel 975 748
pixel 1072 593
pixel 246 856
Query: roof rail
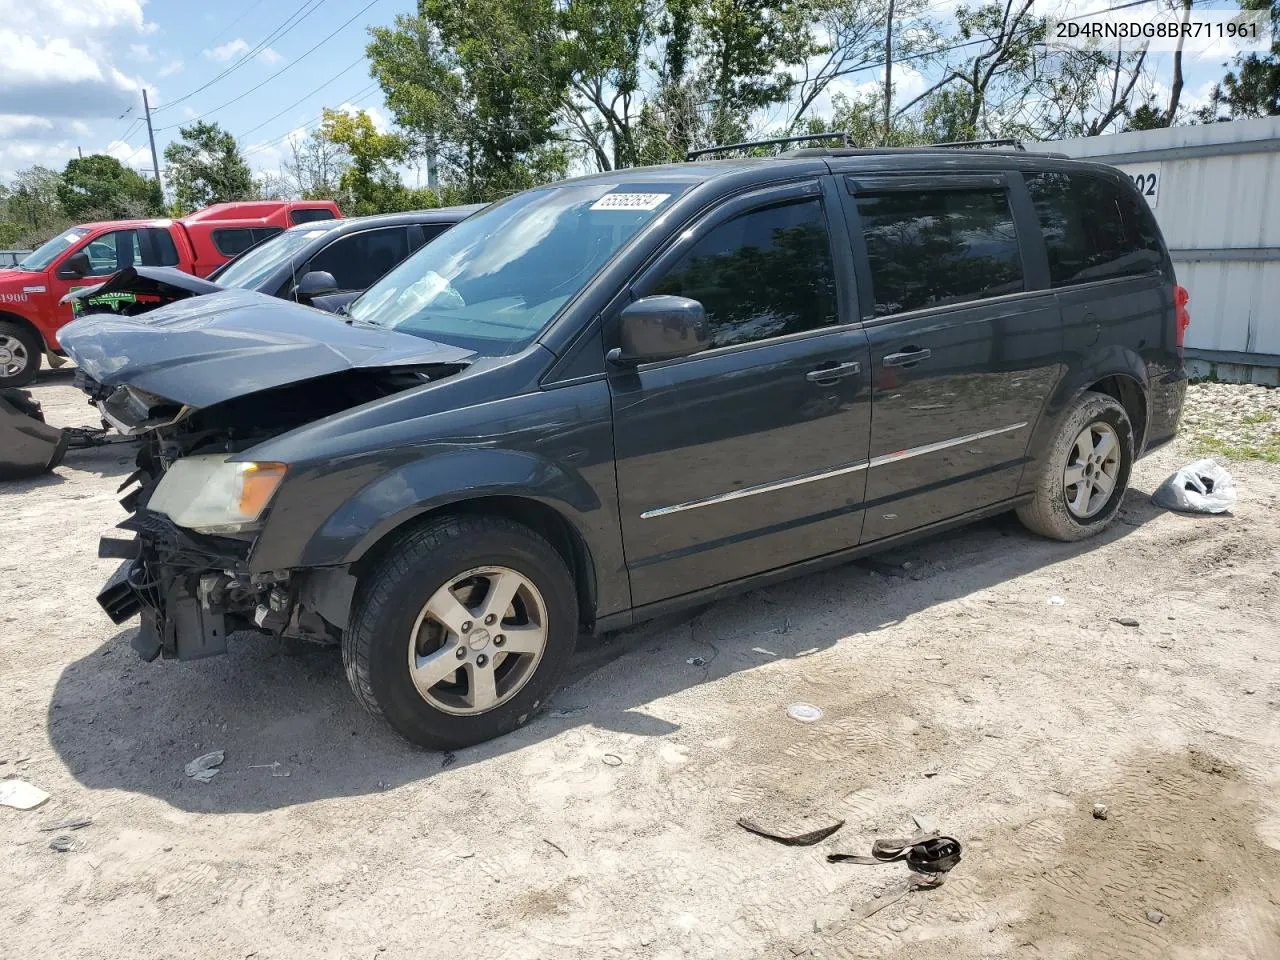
pixel 843 136
pixel 966 144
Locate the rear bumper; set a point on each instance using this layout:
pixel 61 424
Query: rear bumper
pixel 1165 409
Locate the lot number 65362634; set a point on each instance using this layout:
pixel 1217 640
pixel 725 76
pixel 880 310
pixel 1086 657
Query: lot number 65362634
pixel 1146 177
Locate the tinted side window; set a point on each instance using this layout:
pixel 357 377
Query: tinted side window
pixel 1093 230
pixel 931 248
pixel 310 214
pixel 163 251
pixel 264 233
pixel 231 241
pixel 361 258
pixel 763 274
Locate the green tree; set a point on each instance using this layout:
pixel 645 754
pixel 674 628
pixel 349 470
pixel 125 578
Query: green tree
pixel 99 187
pixel 205 166
pixel 368 184
pixel 1252 87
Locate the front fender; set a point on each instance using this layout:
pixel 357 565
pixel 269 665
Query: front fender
pixel 553 447
pixel 450 477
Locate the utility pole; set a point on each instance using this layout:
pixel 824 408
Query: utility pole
pixel 155 162
pixel 79 153
pixel 888 72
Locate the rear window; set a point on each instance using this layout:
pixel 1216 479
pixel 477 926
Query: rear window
pixel 310 215
pixel 163 250
pixel 233 241
pixel 1093 228
pixel 931 248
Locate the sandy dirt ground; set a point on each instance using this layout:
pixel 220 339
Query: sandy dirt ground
pixel 952 688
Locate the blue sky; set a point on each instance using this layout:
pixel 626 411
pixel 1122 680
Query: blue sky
pixel 71 72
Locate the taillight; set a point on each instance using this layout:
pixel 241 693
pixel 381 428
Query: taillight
pixel 1180 299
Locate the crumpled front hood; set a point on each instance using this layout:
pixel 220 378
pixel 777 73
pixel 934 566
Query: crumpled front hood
pixel 207 350
pixel 167 282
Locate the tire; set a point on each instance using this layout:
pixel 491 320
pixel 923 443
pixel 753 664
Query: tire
pixel 20 348
pixel 391 607
pixel 1052 512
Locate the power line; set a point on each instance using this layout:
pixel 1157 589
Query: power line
pixel 306 96
pixel 353 100
pixel 227 29
pixel 307 8
pixel 289 66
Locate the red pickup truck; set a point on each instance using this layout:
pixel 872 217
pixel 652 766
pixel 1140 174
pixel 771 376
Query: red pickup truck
pixel 30 312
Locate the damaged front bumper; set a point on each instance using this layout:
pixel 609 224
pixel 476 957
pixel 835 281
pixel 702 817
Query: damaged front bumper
pixel 192 591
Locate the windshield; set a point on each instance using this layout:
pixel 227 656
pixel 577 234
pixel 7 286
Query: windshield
pixel 257 263
pixel 47 253
pixel 494 281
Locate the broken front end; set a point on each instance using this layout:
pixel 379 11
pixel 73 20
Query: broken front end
pixel 195 516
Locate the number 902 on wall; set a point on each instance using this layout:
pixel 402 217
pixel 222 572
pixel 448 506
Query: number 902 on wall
pixel 1146 177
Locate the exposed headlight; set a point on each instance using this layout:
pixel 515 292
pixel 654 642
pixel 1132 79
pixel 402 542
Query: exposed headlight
pixel 209 494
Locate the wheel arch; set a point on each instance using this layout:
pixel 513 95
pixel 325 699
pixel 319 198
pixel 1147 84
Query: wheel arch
pixel 1118 373
pixel 8 316
pixel 539 516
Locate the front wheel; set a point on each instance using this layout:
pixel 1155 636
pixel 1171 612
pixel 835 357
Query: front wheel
pixel 461 631
pixel 20 354
pixel 1085 472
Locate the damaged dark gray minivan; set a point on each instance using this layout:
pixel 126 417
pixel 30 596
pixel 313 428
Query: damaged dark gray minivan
pixel 615 396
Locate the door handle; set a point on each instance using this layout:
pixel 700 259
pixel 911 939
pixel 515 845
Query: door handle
pixel 907 357
pixel 834 372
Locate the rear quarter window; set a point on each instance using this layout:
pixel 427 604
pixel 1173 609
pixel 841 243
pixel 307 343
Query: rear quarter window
pixel 1094 229
pixel 232 241
pixel 310 214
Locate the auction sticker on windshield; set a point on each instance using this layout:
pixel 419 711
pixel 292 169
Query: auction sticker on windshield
pixel 630 201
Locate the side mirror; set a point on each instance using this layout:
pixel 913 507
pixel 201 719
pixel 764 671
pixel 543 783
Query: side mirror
pixel 660 328
pixel 75 266
pixel 315 283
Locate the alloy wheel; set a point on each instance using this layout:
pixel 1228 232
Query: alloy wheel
pixel 478 640
pixel 13 356
pixel 1093 466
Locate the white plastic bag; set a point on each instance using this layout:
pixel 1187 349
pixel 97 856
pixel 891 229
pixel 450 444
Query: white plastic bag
pixel 1200 487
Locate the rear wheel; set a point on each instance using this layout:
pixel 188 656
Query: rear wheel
pixel 20 354
pixel 461 630
pixel 1085 473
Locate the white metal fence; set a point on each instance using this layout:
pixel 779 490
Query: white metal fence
pixel 1215 190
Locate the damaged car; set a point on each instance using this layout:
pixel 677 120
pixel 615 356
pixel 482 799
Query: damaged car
pixel 324 264
pixel 627 394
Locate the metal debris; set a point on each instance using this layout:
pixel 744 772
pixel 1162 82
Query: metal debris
pixel 76 824
pixel 806 839
pixel 612 759
pixel 62 844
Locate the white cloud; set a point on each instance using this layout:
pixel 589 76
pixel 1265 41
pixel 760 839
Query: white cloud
pixel 130 156
pixel 381 122
pixel 169 69
pixel 268 55
pixel 228 50
pixel 67 63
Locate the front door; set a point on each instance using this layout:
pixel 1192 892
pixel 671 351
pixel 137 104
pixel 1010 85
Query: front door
pixel 108 253
pixel 963 356
pixel 751 455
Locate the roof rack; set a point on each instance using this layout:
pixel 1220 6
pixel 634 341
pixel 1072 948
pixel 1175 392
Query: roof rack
pixel 966 144
pixel 841 135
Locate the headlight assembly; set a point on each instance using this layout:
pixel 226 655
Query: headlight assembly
pixel 209 494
